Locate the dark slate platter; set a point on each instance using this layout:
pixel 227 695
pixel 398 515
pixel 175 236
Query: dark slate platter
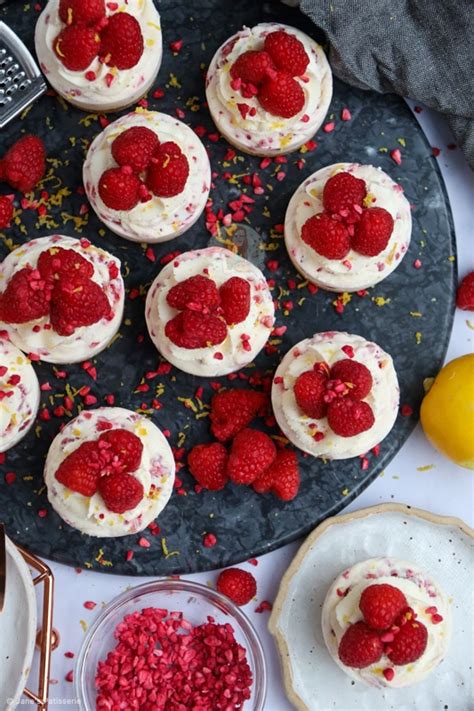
pixel 413 324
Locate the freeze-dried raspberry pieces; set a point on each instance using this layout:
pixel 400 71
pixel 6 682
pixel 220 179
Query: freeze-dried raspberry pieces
pixel 208 463
pixel 76 302
pixel 26 297
pixel 232 410
pixel 252 452
pixel 196 293
pixel 192 329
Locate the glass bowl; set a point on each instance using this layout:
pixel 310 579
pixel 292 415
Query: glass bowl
pixel 196 601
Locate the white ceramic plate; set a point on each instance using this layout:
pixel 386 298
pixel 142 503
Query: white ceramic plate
pixel 17 629
pixel 444 547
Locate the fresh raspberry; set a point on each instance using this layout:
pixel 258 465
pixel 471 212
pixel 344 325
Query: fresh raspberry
pixel 326 236
pixel 235 299
pixel 168 171
pixel 56 263
pixel 309 389
pixel 192 329
pixel 281 95
pixel 286 475
pixel 122 41
pixel 87 12
pixel 24 164
pixel 252 67
pixel 348 417
pixel 381 604
pixel 119 189
pixel 465 295
pixel 233 410
pixel 121 492
pixel 26 297
pixel 197 293
pixel 252 452
pixel 77 302
pixel 342 192
pixel 287 52
pixel 360 646
pixel 135 147
pixel 207 463
pixel 373 231
pixel 237 584
pixel 357 377
pixel 409 643
pixel 77 46
pixel 80 471
pixel 125 446
pixel 6 211
pixel 264 482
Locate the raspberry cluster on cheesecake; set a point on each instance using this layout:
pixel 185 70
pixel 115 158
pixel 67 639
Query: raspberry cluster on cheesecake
pixel 19 395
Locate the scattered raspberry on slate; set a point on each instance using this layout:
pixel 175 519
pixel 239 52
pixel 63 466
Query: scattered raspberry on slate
pixel 326 236
pixel 77 302
pixel 287 52
pixel 57 262
pixel 168 171
pixel 208 464
pixel 465 295
pixel 264 482
pixel 121 41
pixel 237 584
pixel 251 453
pixel 125 446
pixel 197 293
pixel 6 211
pixel 360 646
pixel 26 297
pixel 80 471
pixel 192 329
pixel 348 417
pixel 24 164
pixel 381 604
pixel 281 95
pixel 121 492
pixel 342 192
pixel 119 188
pixel 235 299
pixel 285 474
pixel 135 147
pixel 309 389
pixel 409 643
pixel 373 231
pixel 76 47
pixel 87 12
pixel 233 410
pixel 355 375
pixel 252 67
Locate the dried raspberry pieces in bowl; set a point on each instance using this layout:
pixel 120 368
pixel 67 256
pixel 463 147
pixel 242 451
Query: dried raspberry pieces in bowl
pixel 147 176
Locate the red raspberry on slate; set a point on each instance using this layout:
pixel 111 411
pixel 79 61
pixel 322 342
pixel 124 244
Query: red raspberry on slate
pixel 381 604
pixel 356 375
pixel 252 67
pixel 24 163
pixel 26 297
pixel 373 231
pixel 121 492
pixel 75 302
pixel 56 263
pixel 122 41
pixel 287 52
pixel 264 482
pixel 80 471
pixel 348 417
pixel 125 446
pixel 197 293
pixel 6 211
pixel 465 295
pixel 119 188
pixel 252 452
pixel 284 473
pixel 342 192
pixel 237 584
pixel 87 12
pixel 309 389
pixel 192 329
pixel 326 236
pixel 409 643
pixel 281 95
pixel 232 410
pixel 168 171
pixel 360 646
pixel 235 299
pixel 207 463
pixel 135 147
pixel 77 46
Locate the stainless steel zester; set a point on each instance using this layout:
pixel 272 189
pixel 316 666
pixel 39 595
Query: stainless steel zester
pixel 21 81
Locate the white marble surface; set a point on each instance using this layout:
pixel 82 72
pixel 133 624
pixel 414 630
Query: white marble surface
pixel 444 489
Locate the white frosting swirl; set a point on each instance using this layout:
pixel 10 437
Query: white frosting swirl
pixel 128 85
pixel 301 429
pixel 421 592
pixel 156 473
pixel 19 401
pixel 37 336
pixel 355 271
pixel 265 134
pixel 220 265
pixel 159 219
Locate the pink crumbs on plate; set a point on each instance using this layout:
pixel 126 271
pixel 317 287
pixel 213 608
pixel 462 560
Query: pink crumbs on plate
pixel 162 661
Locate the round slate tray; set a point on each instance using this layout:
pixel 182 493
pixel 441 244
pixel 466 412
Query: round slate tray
pixel 409 314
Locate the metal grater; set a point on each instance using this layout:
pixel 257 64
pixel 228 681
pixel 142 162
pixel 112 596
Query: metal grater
pixel 21 81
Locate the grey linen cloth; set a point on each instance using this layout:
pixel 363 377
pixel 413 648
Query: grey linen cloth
pixel 421 49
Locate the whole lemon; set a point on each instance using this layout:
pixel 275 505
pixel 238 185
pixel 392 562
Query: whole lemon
pixel 447 411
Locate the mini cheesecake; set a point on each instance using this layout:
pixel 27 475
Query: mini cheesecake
pixel 152 471
pixel 45 282
pixel 19 395
pixel 188 319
